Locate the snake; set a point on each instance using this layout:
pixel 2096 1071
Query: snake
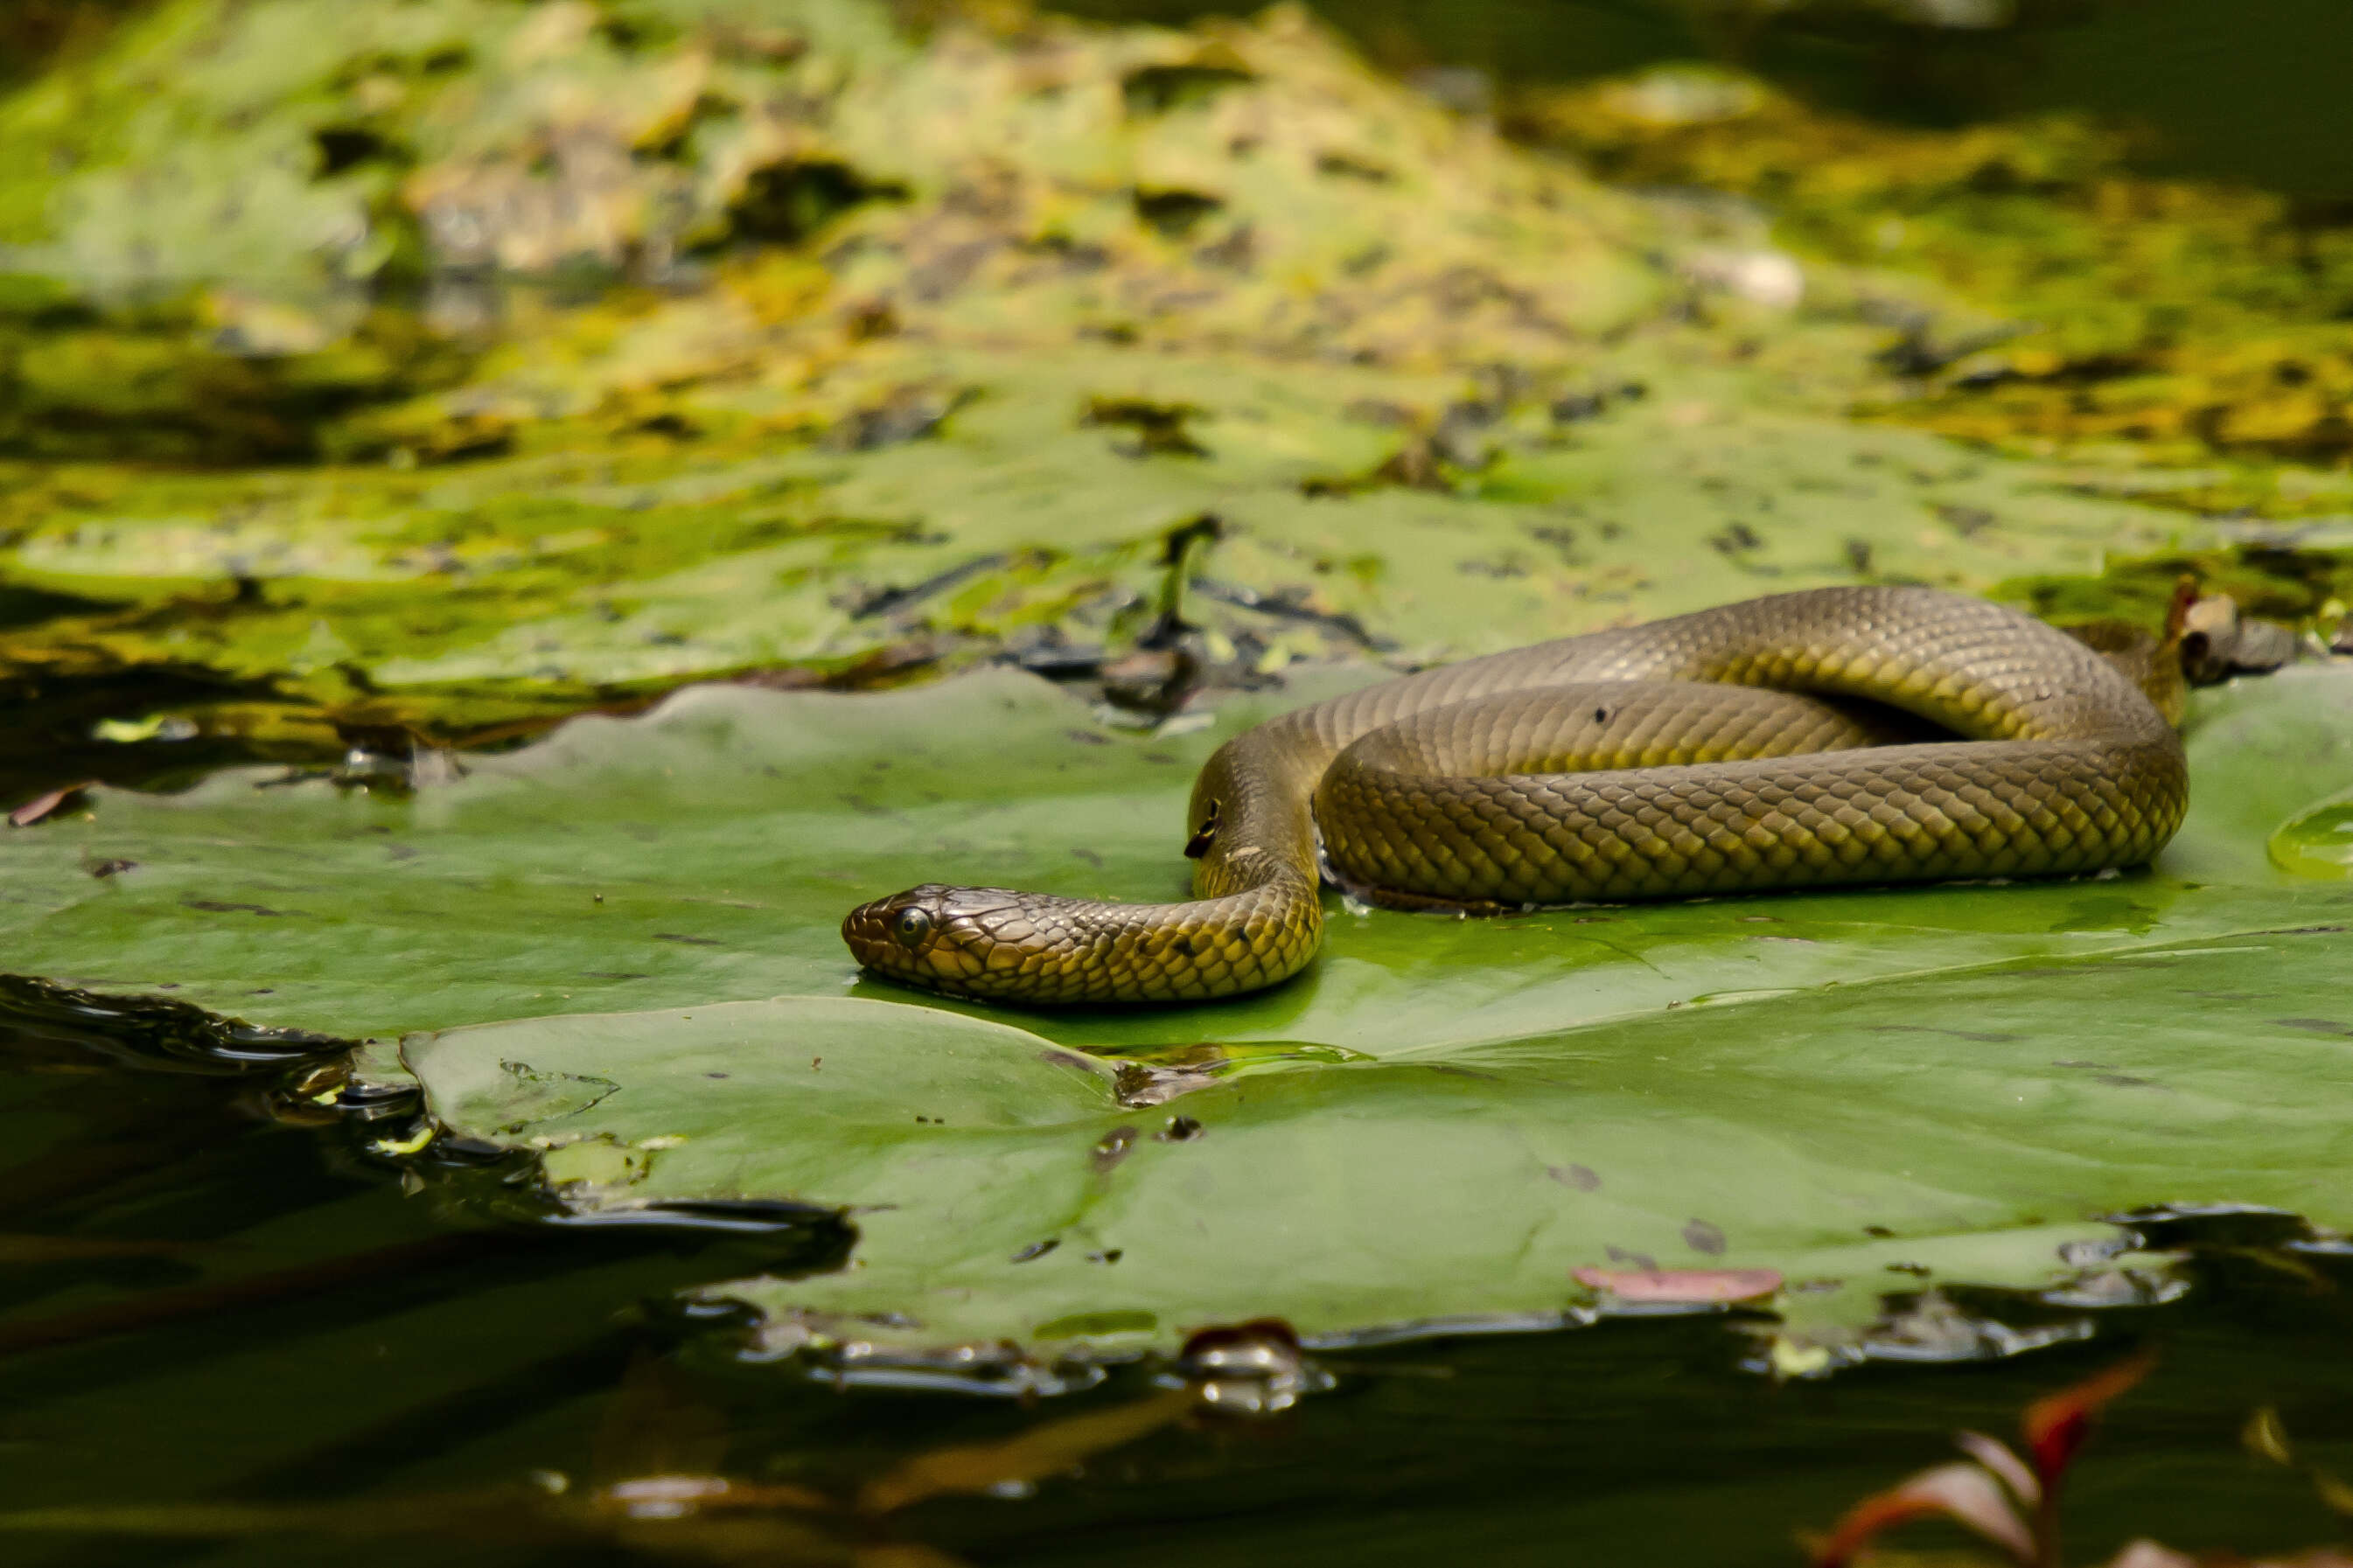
pixel 1864 734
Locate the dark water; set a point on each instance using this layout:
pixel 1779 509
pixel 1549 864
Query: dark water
pixel 378 1339
pixel 2252 92
pixel 366 1357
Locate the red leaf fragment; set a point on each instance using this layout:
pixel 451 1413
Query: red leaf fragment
pixel 2006 1466
pixel 1960 1492
pixel 2177 609
pixel 2056 1424
pixel 2147 1553
pixel 1688 1286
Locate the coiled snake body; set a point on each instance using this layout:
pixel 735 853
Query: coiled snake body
pixel 1774 743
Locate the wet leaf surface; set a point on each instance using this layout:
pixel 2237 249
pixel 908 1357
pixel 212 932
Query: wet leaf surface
pixel 1868 1092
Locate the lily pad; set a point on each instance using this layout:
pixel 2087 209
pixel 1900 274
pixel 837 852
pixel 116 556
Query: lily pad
pixel 1439 1123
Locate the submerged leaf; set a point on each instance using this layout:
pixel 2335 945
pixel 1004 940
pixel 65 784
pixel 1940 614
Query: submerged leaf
pixel 1043 1451
pixel 2056 1425
pixel 2147 1553
pixel 1963 1493
pixel 2002 1464
pixel 2265 1437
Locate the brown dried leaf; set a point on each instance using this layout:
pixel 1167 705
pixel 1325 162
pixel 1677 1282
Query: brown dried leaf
pixel 34 810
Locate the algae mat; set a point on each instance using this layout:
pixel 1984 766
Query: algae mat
pixel 1439 1125
pixel 881 349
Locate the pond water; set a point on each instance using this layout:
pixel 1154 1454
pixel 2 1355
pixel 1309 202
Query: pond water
pixel 2245 93
pixel 315 1340
pixel 241 1325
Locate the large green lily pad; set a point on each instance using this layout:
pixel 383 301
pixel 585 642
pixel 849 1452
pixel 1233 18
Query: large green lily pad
pixel 1442 1120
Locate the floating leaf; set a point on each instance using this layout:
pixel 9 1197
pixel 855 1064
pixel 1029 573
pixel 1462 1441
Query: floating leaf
pixel 41 806
pixel 1438 1125
pixel 1680 1286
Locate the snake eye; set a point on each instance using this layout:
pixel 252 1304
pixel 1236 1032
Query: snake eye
pixel 912 927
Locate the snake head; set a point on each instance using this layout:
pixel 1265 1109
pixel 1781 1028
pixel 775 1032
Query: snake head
pixel 933 935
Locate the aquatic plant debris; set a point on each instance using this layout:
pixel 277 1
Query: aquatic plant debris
pixel 1872 1094
pixel 625 343
pixel 1996 1495
pixel 2039 292
pixel 1680 1286
pixel 657 1489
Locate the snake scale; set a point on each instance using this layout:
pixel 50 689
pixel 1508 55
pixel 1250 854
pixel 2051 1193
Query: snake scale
pixel 1838 735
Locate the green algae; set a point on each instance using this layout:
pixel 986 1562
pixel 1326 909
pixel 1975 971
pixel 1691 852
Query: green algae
pixel 667 340
pixel 2307 588
pixel 2042 294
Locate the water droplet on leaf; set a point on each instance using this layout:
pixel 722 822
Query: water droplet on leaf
pixel 2318 840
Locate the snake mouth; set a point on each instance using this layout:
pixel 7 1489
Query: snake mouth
pixel 913 937
pixel 869 929
pixel 981 942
